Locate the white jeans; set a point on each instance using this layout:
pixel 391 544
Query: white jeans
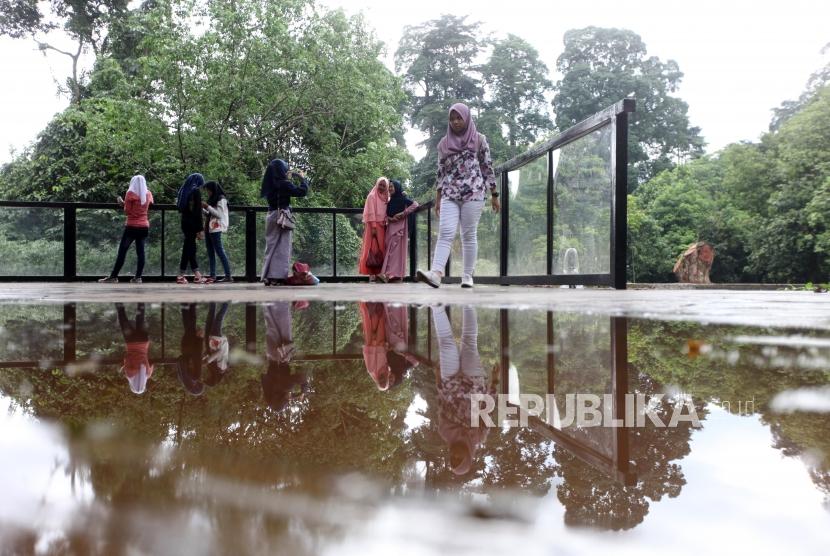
pixel 468 360
pixel 453 213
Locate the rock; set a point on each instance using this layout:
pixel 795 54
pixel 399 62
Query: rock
pixel 693 266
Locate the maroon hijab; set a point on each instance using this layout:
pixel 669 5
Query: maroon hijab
pixel 467 140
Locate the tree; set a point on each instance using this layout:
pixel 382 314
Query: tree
pixel 601 66
pixel 437 62
pixel 222 87
pixel 789 108
pixel 791 245
pixel 517 82
pixel 86 23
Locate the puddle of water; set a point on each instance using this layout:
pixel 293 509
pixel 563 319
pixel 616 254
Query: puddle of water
pixel 348 428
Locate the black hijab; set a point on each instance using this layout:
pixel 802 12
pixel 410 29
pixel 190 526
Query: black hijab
pixel 277 170
pixel 216 192
pixel 398 202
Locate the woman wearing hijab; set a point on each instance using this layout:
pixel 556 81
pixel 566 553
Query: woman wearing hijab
pixel 279 384
pixel 465 175
pixel 397 233
pixel 278 189
pixel 373 317
pixel 216 209
pixel 374 230
pixel 137 367
pixel 461 375
pixel 136 228
pixel 397 340
pixel 189 363
pixel 216 345
pixel 189 203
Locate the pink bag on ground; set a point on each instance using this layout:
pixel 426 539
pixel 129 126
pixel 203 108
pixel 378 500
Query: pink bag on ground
pixel 301 276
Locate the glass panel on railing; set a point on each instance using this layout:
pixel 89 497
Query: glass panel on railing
pixel 528 190
pixel 424 246
pixel 584 366
pixel 31 241
pixel 312 242
pixel 349 243
pixel 582 205
pixel 99 234
pixel 489 240
pixel 31 332
pixel 234 243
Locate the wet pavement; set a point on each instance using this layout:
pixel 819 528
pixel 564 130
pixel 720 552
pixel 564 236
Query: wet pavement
pixel 345 427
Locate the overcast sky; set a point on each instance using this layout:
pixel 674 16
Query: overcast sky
pixel 740 58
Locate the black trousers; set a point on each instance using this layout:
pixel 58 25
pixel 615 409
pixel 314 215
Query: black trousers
pixel 188 252
pixel 139 235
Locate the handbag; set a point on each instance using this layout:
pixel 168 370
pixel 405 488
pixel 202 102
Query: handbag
pixel 286 220
pixel 374 258
pixel 301 276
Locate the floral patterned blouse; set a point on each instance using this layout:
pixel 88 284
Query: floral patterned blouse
pixel 466 176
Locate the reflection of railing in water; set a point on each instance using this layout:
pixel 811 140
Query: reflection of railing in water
pixel 420 328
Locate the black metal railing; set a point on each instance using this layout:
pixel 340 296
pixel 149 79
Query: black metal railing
pixel 68 212
pixel 577 183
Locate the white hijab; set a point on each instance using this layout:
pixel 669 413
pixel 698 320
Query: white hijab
pixel 138 185
pixel 138 382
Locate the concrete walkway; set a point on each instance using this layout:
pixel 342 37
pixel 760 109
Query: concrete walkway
pixel 791 309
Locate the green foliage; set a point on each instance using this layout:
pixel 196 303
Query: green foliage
pixel 517 82
pixel 297 82
pixel 601 66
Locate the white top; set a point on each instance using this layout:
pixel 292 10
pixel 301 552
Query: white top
pixel 218 216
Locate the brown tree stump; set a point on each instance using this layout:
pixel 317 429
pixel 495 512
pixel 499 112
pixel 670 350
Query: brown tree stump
pixel 693 266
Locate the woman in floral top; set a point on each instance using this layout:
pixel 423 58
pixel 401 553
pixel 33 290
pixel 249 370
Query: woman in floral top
pixel 465 177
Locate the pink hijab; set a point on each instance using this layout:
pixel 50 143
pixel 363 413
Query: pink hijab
pixel 375 208
pixel 467 140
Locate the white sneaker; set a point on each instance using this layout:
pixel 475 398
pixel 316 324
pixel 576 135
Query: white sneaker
pixel 429 277
pixel 466 280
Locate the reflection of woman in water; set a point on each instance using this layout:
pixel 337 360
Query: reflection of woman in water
pixel 461 375
pixel 189 363
pixel 373 316
pixel 279 385
pixel 216 345
pixel 397 342
pixel 137 366
pixel 384 348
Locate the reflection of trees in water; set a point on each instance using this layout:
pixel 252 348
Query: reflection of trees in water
pixel 592 498
pixel 741 373
pixel 347 425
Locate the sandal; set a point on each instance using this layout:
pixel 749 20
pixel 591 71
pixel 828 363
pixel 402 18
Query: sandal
pixel 181 280
pixel 208 280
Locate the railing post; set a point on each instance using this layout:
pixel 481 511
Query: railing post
pixel 619 212
pixel 504 351
pixel 334 244
pixel 250 245
pixel 549 218
pixel 504 240
pixel 250 327
pixel 70 247
pixel 413 244
pixel 69 333
pixel 162 242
